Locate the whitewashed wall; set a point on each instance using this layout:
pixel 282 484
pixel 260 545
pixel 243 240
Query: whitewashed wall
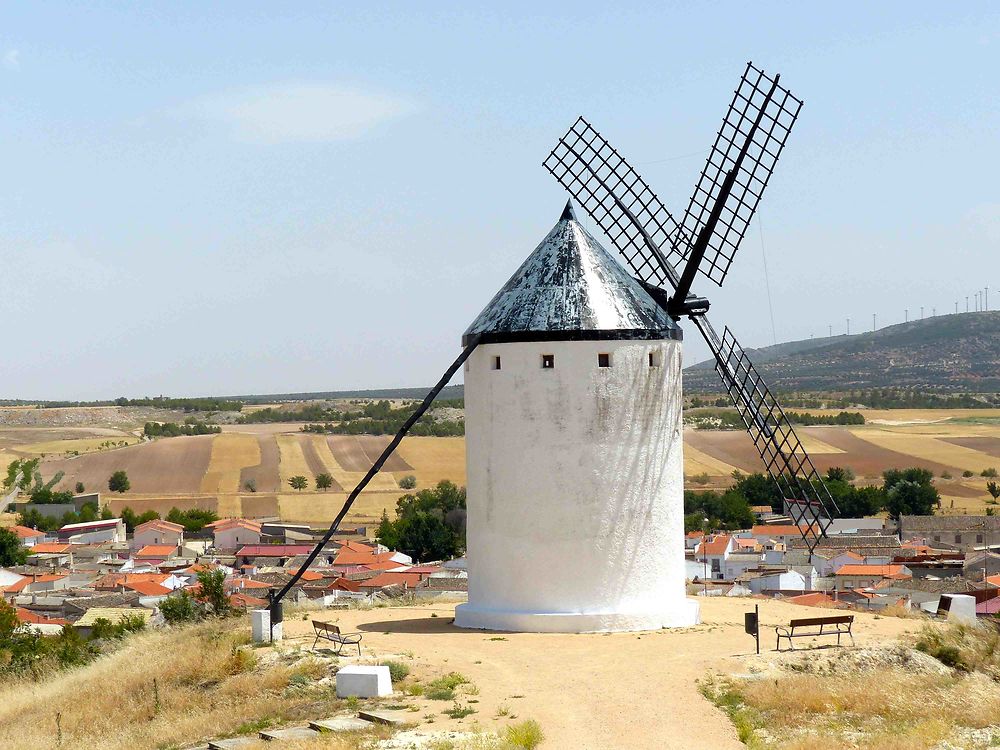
pixel 575 479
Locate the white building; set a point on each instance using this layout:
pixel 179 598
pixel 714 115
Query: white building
pixel 93 532
pixel 235 532
pixel 574 450
pixel 157 532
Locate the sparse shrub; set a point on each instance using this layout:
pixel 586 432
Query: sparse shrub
pixel 459 712
pixel 352 702
pixel 990 472
pixel 250 485
pixel 240 660
pixel 967 474
pixel 415 689
pixel 526 734
pixel 408 482
pixel 700 478
pixel 946 474
pixel 178 608
pixel 443 688
pixel 397 670
pixel 80 489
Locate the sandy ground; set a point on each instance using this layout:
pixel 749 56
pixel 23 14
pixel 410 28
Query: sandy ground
pixel 588 691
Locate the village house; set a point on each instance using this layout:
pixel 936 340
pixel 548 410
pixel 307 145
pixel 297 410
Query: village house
pixel 157 532
pixel 952 532
pixel 769 534
pixel 110 530
pixel 270 555
pixel 29 537
pixel 234 533
pixel 713 552
pixel 774 580
pixel 867 576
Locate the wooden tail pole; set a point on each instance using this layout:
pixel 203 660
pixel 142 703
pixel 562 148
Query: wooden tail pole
pixel 275 605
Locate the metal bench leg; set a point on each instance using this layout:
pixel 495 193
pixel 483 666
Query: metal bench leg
pixel 314 644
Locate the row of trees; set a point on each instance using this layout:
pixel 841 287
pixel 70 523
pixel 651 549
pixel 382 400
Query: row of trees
pixel 902 492
pixel 874 398
pixel 193 519
pixel 172 429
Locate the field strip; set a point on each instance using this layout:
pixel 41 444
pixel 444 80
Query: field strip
pixel 293 461
pixel 699 462
pixel 928 448
pixel 83 445
pixel 434 459
pixel 812 444
pixel 381 482
pixel 230 454
pixel 320 508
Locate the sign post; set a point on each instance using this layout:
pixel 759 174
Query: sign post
pixel 751 624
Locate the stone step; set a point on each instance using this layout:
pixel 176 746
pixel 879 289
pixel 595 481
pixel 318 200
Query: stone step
pixel 392 718
pixel 233 743
pixel 289 733
pixel 340 724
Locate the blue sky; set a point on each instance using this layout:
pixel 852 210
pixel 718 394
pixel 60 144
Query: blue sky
pixel 250 198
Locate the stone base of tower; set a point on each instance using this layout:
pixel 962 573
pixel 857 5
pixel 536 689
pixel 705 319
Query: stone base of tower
pixel 683 613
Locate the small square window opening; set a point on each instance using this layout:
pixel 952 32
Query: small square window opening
pixel 654 359
pixel 604 360
pixel 496 362
pixel 548 361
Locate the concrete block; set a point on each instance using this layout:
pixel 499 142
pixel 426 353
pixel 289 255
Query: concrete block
pixel 963 608
pixel 288 734
pixel 394 718
pixel 260 627
pixel 363 682
pixel 340 724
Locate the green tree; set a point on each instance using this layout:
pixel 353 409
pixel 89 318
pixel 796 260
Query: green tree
pixel 118 482
pixel 80 489
pixel 193 519
pixel 324 481
pixel 298 482
pixel 910 492
pixel 180 607
pixel 213 592
pixel 994 489
pixel 12 552
pixel 408 482
pixel 429 525
pixel 839 474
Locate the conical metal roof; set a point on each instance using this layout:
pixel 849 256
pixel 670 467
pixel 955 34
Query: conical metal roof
pixel 571 288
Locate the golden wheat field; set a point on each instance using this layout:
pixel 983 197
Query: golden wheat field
pixel 245 471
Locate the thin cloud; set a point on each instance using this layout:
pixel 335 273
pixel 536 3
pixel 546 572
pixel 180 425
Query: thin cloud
pixel 12 59
pixel 295 112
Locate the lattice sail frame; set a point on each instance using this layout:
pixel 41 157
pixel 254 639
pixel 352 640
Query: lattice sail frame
pixel 602 182
pixel 759 100
pixel 806 495
pixel 652 243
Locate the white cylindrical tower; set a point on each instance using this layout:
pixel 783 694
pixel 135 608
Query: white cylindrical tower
pixel 574 450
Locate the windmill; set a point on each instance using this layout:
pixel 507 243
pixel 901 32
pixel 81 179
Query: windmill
pixel 572 372
pixel 654 244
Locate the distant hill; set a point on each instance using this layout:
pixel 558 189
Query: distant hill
pixel 948 353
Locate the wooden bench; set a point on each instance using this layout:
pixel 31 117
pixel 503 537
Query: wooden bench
pixel 811 627
pixel 329 632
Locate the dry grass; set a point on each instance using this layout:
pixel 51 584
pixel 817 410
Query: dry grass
pixel 883 708
pixel 209 684
pixel 434 459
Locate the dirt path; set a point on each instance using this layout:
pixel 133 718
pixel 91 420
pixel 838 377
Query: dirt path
pixel 588 691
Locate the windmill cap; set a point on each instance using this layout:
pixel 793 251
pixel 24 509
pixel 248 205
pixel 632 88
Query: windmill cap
pixel 571 288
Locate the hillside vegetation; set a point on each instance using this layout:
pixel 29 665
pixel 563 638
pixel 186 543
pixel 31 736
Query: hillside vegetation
pixel 949 353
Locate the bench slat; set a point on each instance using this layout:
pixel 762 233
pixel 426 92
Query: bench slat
pixel 833 620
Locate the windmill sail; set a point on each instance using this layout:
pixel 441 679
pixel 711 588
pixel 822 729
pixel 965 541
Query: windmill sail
pixel 746 150
pixel 749 141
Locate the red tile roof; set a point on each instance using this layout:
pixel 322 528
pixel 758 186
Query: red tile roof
pixel 159 525
pixel 33 618
pixel 246 583
pixel 147 588
pixel 23 532
pixel 158 551
pixel 778 529
pixel 245 601
pixel 50 548
pixel 407 580
pixel 30 579
pixel 716 545
pixel 885 571
pixel 343 584
pixel 812 599
pixel 994 581
pixel 114 581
